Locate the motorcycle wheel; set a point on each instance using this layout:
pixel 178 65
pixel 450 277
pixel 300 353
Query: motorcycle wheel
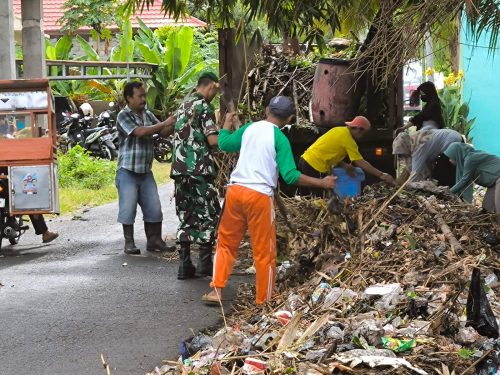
pixel 15 240
pixel 107 153
pixel 163 152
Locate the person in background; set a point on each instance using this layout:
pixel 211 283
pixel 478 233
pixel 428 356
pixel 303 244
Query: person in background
pixel 265 152
pixel 134 179
pixel 193 171
pixel 421 150
pixel 431 115
pixel 332 148
pixel 40 227
pixel 474 166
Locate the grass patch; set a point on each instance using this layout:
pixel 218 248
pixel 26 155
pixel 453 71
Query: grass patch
pixel 89 182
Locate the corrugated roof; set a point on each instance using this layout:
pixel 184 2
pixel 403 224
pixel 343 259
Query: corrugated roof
pixel 153 17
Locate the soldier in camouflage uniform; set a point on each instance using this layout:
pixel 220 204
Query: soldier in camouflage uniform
pixel 193 170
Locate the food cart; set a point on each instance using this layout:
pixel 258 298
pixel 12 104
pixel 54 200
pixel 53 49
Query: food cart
pixel 28 158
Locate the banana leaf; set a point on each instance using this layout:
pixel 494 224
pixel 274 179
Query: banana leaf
pixel 90 52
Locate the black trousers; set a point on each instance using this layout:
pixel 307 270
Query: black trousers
pixel 306 169
pixel 38 224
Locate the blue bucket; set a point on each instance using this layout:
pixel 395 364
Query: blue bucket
pixel 347 186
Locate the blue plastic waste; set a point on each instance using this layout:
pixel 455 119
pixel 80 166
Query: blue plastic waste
pixel 348 186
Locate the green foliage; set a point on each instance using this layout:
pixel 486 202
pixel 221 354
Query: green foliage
pixel 176 73
pixel 96 14
pixel 78 168
pixel 412 295
pixel 61 50
pixel 296 18
pixel 456 111
pixel 181 53
pixel 466 353
pixel 124 51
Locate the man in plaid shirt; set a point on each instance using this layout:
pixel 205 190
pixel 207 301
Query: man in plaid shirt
pixel 134 180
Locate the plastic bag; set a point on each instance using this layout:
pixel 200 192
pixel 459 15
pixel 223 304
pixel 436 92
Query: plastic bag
pixel 479 313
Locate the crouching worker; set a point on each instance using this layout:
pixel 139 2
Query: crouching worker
pixel 474 166
pixel 264 152
pixel 332 148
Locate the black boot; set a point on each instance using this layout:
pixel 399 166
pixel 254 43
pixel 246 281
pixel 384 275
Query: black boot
pixel 153 235
pixel 205 265
pixel 186 268
pixel 128 233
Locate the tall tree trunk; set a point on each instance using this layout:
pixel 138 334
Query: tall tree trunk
pixel 455 47
pixel 226 48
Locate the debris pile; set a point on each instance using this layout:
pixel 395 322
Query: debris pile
pixel 278 75
pixel 382 288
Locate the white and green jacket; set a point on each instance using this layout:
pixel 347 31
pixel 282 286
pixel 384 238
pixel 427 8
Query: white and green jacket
pixel 264 150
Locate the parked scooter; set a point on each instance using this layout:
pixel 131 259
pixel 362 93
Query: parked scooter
pixel 108 119
pixel 98 141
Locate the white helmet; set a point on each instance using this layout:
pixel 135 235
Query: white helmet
pixel 87 109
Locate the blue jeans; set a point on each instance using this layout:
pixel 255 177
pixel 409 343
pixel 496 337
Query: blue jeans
pixel 137 188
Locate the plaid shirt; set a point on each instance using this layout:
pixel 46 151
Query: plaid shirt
pixel 135 153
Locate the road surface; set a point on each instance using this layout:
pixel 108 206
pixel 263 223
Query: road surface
pixel 65 303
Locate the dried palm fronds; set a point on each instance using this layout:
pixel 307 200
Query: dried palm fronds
pixel 400 29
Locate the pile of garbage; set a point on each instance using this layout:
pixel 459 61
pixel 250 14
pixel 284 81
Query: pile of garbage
pixel 277 74
pixel 395 282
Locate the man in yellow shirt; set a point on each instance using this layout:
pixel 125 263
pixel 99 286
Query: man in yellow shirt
pixel 332 148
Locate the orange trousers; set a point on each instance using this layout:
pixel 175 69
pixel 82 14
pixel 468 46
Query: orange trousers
pixel 247 209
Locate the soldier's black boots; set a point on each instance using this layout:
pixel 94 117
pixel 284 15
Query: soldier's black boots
pixel 128 233
pixel 153 235
pixel 186 267
pixel 205 265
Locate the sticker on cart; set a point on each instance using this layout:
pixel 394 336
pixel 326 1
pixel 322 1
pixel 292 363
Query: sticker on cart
pixel 30 184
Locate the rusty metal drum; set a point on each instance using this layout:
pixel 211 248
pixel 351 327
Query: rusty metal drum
pixel 333 93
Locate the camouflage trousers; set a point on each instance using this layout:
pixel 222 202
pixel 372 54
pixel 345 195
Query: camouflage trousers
pixel 198 209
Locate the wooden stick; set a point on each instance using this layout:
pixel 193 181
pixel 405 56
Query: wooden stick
pixel 105 364
pixel 455 245
pixel 296 102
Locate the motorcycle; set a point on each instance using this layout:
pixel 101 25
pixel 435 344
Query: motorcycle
pixel 98 141
pixel 163 148
pixel 107 119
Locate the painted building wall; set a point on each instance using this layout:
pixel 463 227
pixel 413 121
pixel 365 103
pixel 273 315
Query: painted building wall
pixel 482 87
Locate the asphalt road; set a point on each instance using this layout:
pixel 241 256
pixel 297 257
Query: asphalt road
pixel 65 303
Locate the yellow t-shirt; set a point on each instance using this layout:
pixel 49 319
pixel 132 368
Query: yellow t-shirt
pixel 331 148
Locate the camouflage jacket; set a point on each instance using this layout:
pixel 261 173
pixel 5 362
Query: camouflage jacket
pixel 192 154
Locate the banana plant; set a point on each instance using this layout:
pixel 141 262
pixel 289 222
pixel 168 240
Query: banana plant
pixel 456 111
pixel 61 50
pixel 174 77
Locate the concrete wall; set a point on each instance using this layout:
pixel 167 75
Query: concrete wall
pixel 482 87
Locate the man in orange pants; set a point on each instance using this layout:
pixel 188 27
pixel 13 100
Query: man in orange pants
pixel 264 152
